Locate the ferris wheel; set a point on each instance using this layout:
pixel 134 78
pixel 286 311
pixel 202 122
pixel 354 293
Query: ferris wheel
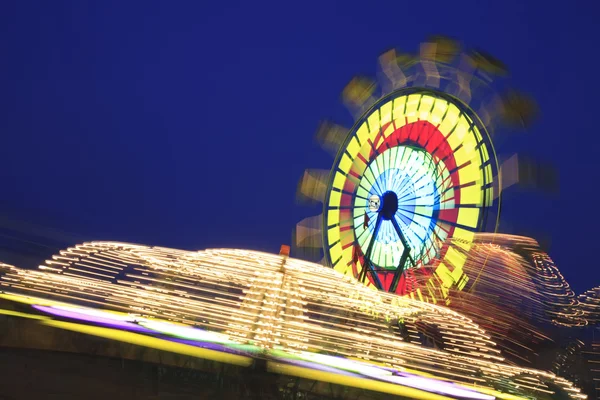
pixel 415 170
pixel 416 176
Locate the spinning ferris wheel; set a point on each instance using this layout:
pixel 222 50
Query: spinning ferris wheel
pixel 415 177
pixel 416 169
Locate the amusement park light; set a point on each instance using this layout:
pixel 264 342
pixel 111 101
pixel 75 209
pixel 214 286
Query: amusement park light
pixel 235 305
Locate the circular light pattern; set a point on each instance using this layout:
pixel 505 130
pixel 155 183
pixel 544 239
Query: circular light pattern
pixel 416 170
pixel 408 177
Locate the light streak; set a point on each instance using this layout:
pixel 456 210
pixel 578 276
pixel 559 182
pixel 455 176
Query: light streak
pixel 272 303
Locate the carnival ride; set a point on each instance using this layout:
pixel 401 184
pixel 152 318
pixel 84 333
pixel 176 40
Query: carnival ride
pixel 238 307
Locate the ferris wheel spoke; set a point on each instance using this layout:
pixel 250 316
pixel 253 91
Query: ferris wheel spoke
pixel 380 189
pixel 404 217
pixel 426 183
pixel 406 191
pixel 429 217
pixel 414 222
pixel 406 199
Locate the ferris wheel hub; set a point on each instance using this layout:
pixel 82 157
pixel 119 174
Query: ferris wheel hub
pixel 389 205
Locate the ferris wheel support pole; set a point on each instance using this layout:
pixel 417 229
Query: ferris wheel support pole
pixel 403 259
pixel 367 264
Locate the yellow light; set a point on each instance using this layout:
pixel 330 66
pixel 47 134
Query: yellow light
pixel 147 341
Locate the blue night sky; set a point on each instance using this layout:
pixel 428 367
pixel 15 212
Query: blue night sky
pixel 188 124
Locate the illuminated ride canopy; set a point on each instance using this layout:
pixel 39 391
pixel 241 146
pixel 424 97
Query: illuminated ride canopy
pixel 236 306
pixel 415 171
